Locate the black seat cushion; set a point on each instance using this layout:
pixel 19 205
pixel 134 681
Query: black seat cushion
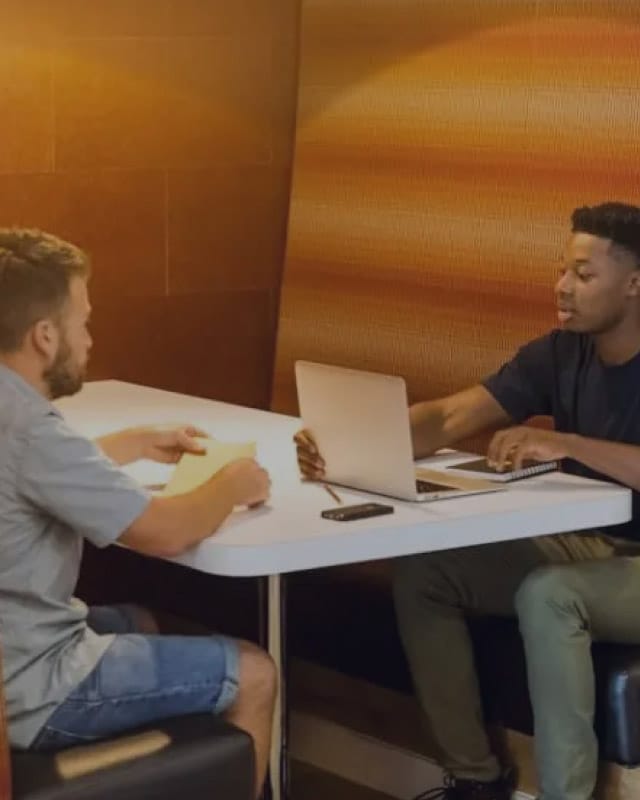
pixel 618 707
pixel 343 619
pixel 205 758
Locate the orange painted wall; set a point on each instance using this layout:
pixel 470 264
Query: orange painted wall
pixel 158 135
pixel 441 147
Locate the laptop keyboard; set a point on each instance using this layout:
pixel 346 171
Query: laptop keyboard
pixel 422 487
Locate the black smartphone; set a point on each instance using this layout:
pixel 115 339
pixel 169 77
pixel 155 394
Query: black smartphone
pixel 347 513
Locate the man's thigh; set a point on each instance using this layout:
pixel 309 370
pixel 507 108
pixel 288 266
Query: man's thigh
pixel 140 679
pixel 482 578
pixel 120 618
pixel 485 578
pixel 610 592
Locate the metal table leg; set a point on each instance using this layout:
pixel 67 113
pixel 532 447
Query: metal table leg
pixel 272 634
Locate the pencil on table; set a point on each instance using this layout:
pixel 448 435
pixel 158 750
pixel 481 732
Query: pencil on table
pixel 335 496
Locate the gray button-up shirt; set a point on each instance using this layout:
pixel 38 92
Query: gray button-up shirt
pixel 56 487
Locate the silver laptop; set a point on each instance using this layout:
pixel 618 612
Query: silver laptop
pixel 360 421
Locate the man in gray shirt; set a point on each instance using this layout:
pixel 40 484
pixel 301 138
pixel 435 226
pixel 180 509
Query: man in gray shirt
pixel 74 674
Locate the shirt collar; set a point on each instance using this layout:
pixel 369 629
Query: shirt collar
pixel 24 389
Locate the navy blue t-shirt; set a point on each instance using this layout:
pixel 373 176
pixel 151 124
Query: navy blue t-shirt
pixel 561 375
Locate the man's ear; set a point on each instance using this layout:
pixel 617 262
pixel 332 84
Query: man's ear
pixel 45 338
pixel 634 283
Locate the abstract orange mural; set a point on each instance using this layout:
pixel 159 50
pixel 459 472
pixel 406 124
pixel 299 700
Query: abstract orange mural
pixel 441 147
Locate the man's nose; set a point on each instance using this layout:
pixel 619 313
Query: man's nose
pixel 563 285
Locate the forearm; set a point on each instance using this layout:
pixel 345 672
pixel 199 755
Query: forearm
pixel 187 519
pixel 123 447
pixel 621 462
pixel 442 423
pixel 171 525
pixel 428 428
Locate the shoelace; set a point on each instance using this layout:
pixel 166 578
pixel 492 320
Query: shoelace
pixel 439 792
pixel 448 790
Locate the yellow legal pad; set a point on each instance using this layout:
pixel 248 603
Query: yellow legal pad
pixel 193 470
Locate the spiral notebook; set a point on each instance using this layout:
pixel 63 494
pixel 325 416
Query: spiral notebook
pixel 480 466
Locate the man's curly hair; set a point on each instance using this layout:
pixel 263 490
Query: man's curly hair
pixel 618 222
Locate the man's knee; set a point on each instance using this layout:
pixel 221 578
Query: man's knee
pixel 258 675
pixel 547 596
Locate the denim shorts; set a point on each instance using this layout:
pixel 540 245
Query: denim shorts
pixel 140 679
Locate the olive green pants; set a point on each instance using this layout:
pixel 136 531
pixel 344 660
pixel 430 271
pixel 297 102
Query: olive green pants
pixel 566 591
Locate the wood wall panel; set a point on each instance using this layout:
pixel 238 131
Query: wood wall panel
pixel 441 147
pixel 218 341
pixel 158 135
pixel 202 17
pixel 109 95
pixel 119 217
pixel 211 345
pixel 136 18
pixel 25 109
pixel 219 102
pixel 30 20
pixel 239 243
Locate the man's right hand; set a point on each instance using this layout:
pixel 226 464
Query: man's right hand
pixel 247 482
pixel 310 461
pixel 171 525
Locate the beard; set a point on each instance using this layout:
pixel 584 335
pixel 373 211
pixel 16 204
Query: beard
pixel 63 378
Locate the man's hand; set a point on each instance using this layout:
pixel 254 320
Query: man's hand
pixel 246 481
pixel 167 445
pixel 310 461
pixel 160 443
pixel 171 525
pixel 509 448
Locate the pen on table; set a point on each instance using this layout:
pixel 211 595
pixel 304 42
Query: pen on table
pixel 335 496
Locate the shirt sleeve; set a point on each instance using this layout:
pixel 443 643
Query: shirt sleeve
pixel 67 476
pixel 524 385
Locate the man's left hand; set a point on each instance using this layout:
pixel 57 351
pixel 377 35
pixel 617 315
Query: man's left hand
pixel 509 448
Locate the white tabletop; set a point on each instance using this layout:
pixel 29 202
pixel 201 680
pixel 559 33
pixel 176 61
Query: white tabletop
pixel 289 534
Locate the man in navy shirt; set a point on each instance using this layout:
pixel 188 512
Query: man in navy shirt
pixel 568 589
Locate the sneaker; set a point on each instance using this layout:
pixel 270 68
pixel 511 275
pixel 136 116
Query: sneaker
pixel 462 789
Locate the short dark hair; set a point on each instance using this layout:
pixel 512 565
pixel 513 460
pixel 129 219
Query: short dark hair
pixel 619 222
pixel 35 272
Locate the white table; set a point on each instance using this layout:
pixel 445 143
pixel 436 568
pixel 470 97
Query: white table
pixel 289 535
